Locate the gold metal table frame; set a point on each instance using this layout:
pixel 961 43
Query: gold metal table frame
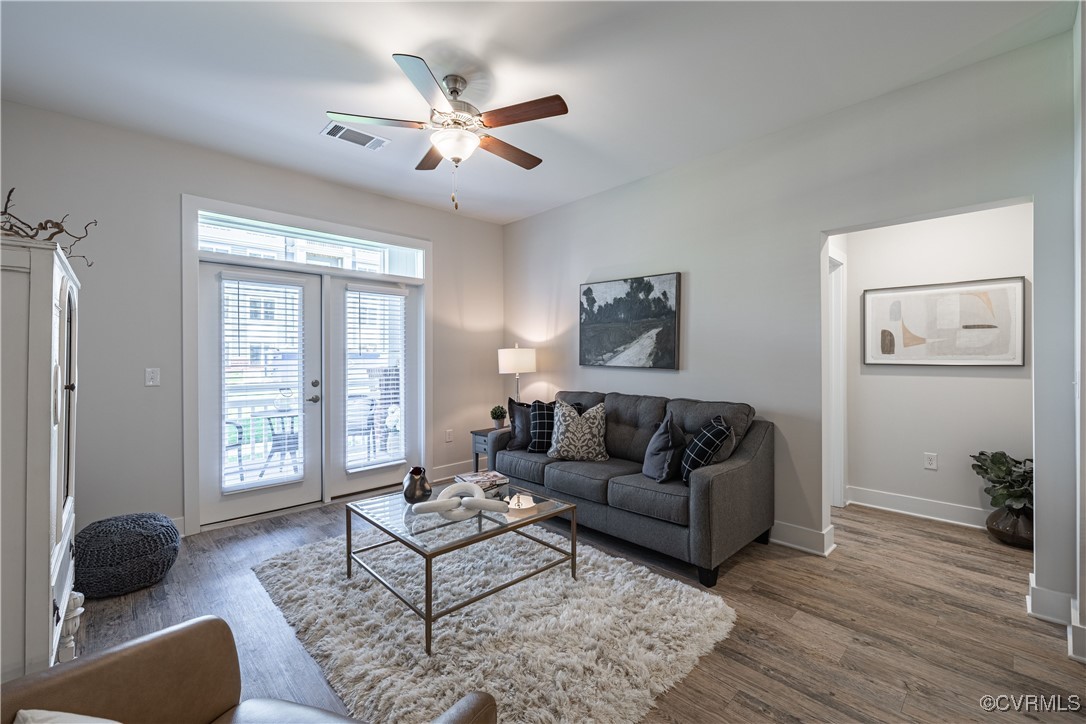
pixel 427 613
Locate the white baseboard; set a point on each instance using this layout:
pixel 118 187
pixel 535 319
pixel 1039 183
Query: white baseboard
pixel 1076 635
pixel 808 540
pixel 180 523
pixel 918 507
pixel 1048 605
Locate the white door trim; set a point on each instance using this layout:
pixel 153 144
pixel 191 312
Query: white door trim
pixel 838 422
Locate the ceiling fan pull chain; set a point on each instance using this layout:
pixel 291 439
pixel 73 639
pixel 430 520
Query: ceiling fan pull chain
pixel 455 203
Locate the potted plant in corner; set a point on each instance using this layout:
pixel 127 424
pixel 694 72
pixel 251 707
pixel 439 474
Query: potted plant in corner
pixel 497 414
pixel 1010 485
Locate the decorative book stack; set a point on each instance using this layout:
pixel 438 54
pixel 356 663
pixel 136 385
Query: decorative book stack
pixel 493 483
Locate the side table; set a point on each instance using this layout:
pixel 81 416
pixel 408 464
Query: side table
pixel 478 447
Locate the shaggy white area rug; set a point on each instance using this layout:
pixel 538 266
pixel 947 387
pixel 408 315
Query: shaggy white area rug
pixel 549 649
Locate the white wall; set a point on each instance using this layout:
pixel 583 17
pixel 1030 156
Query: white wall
pixel 897 413
pixel 1076 632
pixel 129 455
pixel 745 227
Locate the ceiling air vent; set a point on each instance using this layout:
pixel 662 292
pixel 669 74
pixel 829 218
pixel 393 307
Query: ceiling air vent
pixel 373 143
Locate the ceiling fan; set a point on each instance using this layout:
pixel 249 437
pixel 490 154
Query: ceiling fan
pixel 459 127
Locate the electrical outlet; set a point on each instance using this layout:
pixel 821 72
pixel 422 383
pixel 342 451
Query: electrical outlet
pixel 448 435
pixel 152 377
pixel 931 461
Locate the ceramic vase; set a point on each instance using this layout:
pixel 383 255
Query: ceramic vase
pixel 416 488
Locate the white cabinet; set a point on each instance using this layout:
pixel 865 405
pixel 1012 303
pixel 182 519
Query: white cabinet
pixel 38 353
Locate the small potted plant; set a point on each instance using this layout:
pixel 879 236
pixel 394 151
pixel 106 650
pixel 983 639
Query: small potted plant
pixel 1010 485
pixel 497 414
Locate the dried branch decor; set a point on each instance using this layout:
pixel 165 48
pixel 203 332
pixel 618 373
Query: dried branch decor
pixel 44 230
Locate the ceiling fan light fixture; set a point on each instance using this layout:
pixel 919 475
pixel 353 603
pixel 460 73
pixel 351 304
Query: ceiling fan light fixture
pixel 455 144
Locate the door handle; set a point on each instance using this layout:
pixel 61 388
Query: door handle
pixel 314 398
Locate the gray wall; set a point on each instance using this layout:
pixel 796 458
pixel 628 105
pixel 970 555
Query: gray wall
pixel 897 413
pixel 745 229
pixel 129 436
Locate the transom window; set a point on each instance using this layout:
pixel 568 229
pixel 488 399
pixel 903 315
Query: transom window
pixel 223 234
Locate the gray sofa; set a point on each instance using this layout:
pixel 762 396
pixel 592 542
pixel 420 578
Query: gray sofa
pixel 727 504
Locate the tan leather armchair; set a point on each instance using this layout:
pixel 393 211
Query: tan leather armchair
pixel 184 674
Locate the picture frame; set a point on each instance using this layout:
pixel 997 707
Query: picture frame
pixel 632 322
pixel 971 323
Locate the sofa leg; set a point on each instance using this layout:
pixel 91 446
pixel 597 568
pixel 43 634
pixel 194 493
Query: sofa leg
pixel 764 537
pixel 708 576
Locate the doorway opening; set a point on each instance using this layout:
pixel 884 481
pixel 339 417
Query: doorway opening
pixel 898 436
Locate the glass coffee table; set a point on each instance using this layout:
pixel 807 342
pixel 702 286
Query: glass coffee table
pixel 431 535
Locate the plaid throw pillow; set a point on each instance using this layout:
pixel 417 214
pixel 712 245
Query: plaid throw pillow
pixel 542 426
pixel 704 445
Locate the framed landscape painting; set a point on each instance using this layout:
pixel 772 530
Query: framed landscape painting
pixel 631 322
pixel 963 323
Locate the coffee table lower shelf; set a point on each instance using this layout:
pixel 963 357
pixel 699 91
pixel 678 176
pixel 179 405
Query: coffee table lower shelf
pixel 427 613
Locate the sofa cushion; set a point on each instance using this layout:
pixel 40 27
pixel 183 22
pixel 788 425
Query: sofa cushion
pixel 691 416
pixel 577 436
pixel 639 494
pixel 581 400
pixel 586 480
pixel 520 425
pixel 542 426
pixel 700 451
pixel 631 422
pixel 665 451
pixel 522 464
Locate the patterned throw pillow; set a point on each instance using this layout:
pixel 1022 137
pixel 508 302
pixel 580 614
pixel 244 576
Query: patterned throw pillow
pixel 665 451
pixel 520 425
pixel 578 437
pixel 704 445
pixel 542 426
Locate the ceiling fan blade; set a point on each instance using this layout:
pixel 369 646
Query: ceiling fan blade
pixel 374 121
pixel 422 77
pixel 527 111
pixel 508 152
pixel 430 161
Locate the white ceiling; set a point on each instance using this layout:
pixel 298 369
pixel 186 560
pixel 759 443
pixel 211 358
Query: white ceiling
pixel 650 85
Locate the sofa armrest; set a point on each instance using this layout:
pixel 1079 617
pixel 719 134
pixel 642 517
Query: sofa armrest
pixel 475 707
pixel 731 503
pixel 181 674
pixel 496 440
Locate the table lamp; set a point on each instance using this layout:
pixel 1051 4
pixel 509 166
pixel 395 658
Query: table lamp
pixel 515 361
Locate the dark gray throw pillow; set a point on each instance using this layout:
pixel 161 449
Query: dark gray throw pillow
pixel 701 449
pixel 520 424
pixel 542 426
pixel 665 451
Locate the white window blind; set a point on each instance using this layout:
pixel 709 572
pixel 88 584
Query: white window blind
pixel 262 384
pixel 375 337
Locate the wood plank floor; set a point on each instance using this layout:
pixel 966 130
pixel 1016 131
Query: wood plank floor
pixel 908 620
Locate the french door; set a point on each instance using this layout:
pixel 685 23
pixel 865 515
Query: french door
pixel 261 392
pixel 305 388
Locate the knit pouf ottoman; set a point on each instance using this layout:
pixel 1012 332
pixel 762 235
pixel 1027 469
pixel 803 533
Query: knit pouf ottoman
pixel 125 553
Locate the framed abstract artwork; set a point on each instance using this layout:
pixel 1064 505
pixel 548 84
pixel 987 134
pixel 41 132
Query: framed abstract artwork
pixel 962 323
pixel 631 322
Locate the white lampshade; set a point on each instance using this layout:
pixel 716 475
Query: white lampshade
pixel 516 360
pixel 455 144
